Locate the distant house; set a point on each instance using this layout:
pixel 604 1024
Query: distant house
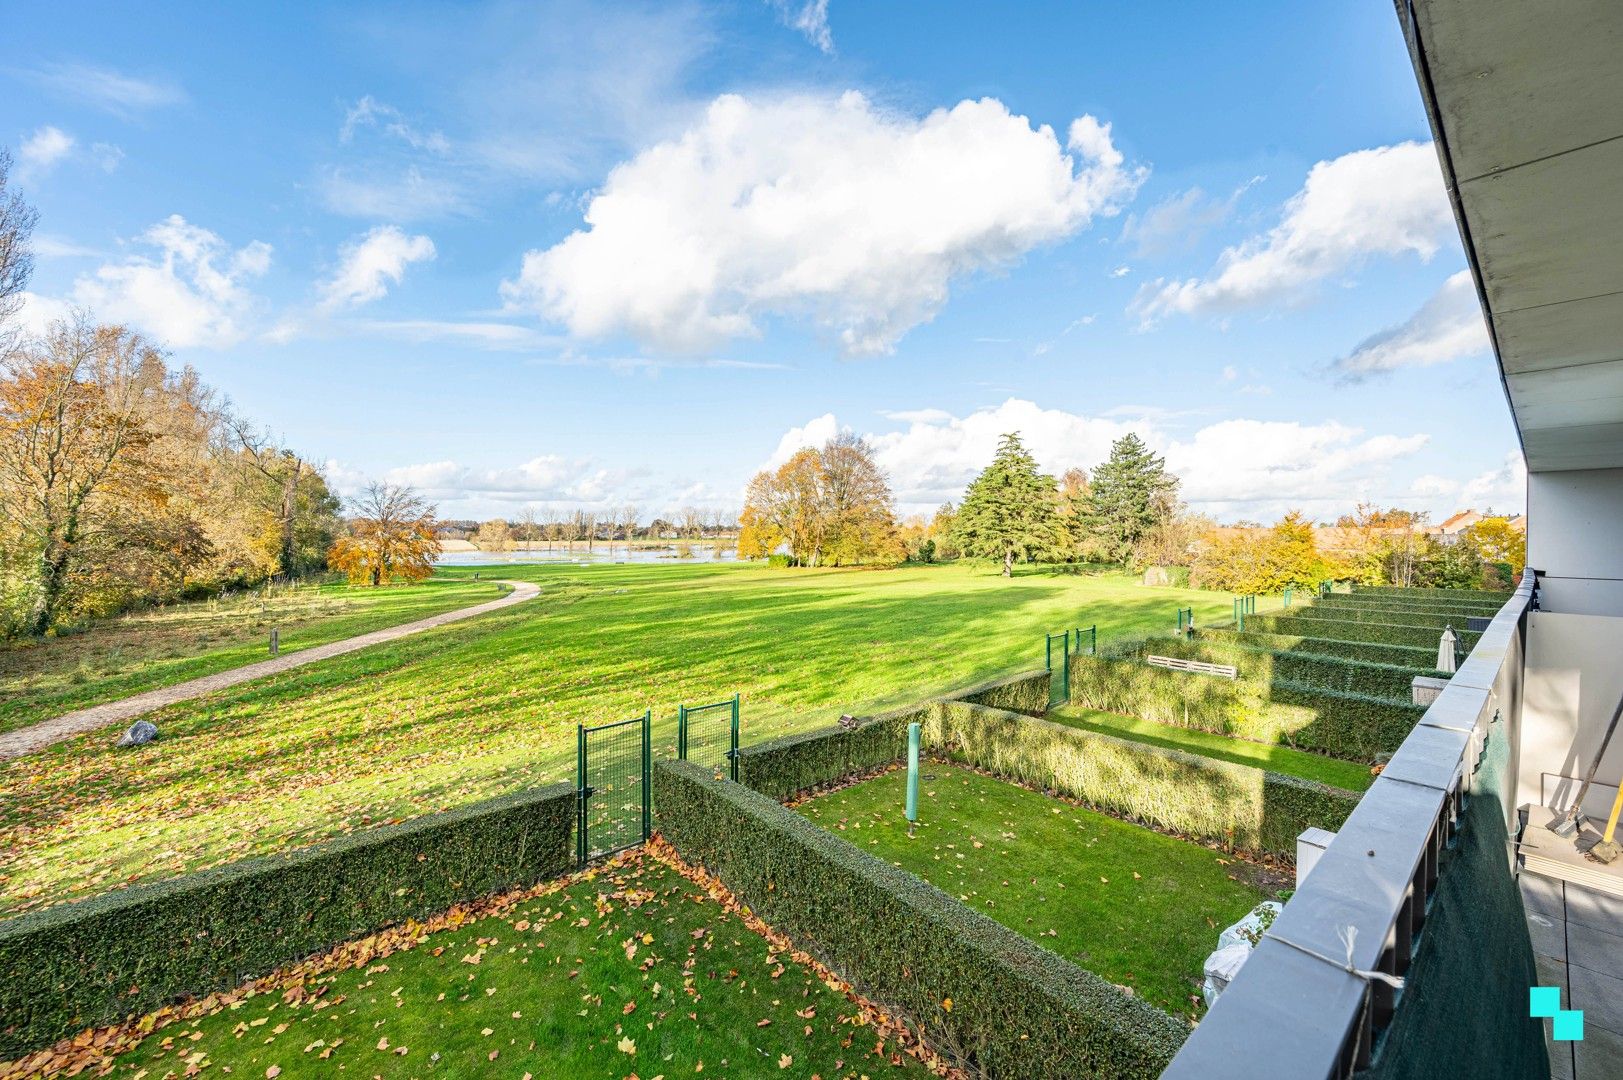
pixel 1450 530
pixel 1456 524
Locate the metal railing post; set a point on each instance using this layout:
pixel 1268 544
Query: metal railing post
pixel 580 794
pixel 681 733
pixel 647 773
pixel 732 757
pixel 1065 678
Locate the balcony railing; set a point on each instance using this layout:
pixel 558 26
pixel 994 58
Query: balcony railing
pixel 1319 991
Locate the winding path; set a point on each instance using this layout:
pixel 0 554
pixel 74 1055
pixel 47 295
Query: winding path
pixel 38 736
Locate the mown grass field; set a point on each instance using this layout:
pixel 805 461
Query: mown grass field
pixel 1348 775
pixel 634 972
pixel 489 705
pixel 167 645
pixel 1138 908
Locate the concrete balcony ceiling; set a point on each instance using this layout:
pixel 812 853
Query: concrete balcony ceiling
pixel 1526 102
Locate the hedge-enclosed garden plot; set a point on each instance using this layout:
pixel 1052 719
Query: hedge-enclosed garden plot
pixel 1387 616
pixel 1418 657
pixel 1001 1003
pixel 1348 725
pixel 632 970
pixel 1325 669
pixel 1392 603
pixel 1382 633
pixel 1131 905
pixel 1347 775
pixel 1410 592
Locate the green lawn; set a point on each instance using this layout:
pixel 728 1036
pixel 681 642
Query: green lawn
pixel 489 705
pixel 1281 759
pixel 112 659
pixel 636 972
pixel 1127 903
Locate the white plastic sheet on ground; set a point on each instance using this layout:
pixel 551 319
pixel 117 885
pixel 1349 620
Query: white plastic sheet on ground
pixel 1234 946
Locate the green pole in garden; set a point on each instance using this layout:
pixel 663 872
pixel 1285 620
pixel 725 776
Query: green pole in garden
pixel 733 755
pixel 647 773
pixel 912 775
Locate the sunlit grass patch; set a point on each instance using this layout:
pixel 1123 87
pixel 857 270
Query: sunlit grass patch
pixel 1127 903
pixel 488 705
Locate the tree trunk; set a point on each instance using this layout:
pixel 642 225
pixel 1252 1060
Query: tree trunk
pixel 290 507
pixel 1008 562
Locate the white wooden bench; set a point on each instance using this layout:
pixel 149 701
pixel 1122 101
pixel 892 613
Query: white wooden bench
pixel 1200 667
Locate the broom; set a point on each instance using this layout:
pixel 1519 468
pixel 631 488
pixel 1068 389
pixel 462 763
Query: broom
pixel 1573 820
pixel 1607 850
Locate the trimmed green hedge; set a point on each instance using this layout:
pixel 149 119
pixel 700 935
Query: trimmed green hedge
pixel 1241 806
pixel 1402 610
pixel 1325 670
pixel 1018 1010
pixel 1415 657
pixel 94 962
pixel 784 767
pixel 1347 613
pixel 1402 590
pixel 1023 693
pixel 1354 727
pixel 1355 630
pixel 1442 603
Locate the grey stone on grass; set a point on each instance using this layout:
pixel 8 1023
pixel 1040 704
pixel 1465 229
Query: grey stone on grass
pixel 140 733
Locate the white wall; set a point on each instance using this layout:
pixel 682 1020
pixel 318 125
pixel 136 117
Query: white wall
pixel 1575 537
pixel 1574 677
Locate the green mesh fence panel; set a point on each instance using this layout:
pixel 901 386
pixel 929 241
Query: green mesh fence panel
pixel 1464 1009
pixel 612 768
pixel 707 735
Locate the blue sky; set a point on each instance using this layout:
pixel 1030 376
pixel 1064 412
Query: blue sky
pixel 558 255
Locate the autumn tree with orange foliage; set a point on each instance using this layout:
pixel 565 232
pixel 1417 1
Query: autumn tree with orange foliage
pixel 828 506
pixel 393 536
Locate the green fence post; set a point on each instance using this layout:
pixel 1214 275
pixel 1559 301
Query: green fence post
pixel 1093 639
pixel 647 769
pixel 733 756
pixel 681 733
pixel 1065 679
pixel 912 775
pixel 580 794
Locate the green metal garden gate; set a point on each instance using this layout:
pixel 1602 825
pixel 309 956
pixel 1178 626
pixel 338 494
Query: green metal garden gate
pixel 1058 692
pixel 708 735
pixel 613 803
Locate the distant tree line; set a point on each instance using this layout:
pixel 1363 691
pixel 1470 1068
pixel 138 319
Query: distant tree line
pixel 833 506
pixel 551 525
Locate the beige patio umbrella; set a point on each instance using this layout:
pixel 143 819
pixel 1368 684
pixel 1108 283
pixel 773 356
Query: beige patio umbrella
pixel 1445 650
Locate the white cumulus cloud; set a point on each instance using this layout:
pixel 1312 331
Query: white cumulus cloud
pixel 1448 326
pixel 1386 201
pixel 191 290
pixel 823 208
pixel 42 151
pixel 369 264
